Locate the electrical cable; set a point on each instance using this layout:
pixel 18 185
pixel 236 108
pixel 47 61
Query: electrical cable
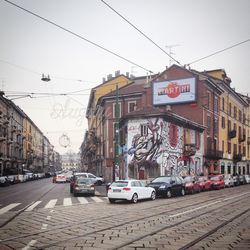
pixel 79 36
pixel 217 52
pixel 142 33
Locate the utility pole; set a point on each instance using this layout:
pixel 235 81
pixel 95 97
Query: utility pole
pixel 117 115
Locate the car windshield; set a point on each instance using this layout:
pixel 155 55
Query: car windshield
pixel 119 184
pixel 215 178
pixel 162 179
pixel 84 181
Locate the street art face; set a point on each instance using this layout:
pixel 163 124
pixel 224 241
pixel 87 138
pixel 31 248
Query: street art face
pixel 154 141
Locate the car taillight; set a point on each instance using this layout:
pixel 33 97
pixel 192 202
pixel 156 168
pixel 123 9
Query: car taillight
pixel 126 189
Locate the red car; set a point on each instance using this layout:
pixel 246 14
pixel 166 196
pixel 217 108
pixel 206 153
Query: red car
pixel 217 181
pixel 191 185
pixel 204 182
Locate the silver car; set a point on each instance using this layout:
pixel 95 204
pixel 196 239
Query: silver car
pixel 84 186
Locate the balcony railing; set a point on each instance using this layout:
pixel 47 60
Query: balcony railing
pixel 214 154
pixel 232 134
pixel 237 157
pixel 242 138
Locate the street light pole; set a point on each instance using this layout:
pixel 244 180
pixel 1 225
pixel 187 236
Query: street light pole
pixel 117 115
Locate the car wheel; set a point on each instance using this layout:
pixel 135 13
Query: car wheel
pixel 112 200
pixel 153 196
pixel 182 192
pixel 169 194
pixel 134 198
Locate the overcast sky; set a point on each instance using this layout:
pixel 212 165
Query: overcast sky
pixel 31 46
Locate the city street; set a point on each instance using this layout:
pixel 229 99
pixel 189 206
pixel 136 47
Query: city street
pixel 56 220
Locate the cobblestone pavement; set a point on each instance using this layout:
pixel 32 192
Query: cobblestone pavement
pixel 209 220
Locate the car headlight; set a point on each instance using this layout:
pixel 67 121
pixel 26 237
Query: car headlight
pixel 162 187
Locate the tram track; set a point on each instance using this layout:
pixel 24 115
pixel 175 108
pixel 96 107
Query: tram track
pixel 153 232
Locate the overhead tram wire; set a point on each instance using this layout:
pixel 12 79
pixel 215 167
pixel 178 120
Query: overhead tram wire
pixel 219 51
pixel 142 33
pixel 39 73
pixel 78 36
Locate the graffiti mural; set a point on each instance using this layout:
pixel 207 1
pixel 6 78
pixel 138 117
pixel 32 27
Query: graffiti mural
pixel 155 147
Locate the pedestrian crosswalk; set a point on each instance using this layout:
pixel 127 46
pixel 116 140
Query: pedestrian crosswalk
pixel 69 201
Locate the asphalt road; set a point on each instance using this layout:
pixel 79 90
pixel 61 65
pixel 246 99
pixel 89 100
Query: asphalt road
pixel 208 220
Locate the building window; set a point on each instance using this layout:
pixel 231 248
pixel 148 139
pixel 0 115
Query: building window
pixel 223 104
pixel 229 147
pixel 197 139
pixel 235 149
pixel 173 135
pixel 229 126
pixel 223 122
pixel 244 151
pixel 131 106
pixel 244 118
pixel 223 146
pixel 208 124
pixel 216 104
pixel 229 169
pixel 235 112
pixel 240 116
pixel 230 109
pixel 144 129
pixel 215 127
pixel 222 169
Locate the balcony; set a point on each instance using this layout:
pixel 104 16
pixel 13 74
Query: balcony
pixel 242 138
pixel 214 154
pixel 232 134
pixel 237 157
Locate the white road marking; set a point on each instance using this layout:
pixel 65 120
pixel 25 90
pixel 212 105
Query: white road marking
pixel 96 199
pixel 44 226
pixel 67 202
pixel 194 209
pixel 33 206
pixel 31 243
pixel 51 203
pixel 9 207
pixel 82 200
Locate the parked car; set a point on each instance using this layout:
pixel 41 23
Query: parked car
pixel 204 183
pixel 60 178
pixel 236 180
pixel 217 181
pixel 247 178
pixel 242 179
pixel 84 186
pixel 191 185
pixel 4 181
pixel 228 179
pixel 131 190
pixel 168 185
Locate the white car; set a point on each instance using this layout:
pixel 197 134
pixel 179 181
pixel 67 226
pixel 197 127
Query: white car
pixel 97 180
pixel 131 190
pixel 60 178
pixel 229 181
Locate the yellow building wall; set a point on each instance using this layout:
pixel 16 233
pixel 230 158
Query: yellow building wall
pixel 104 89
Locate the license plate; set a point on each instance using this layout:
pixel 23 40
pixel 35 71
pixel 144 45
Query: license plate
pixel 116 190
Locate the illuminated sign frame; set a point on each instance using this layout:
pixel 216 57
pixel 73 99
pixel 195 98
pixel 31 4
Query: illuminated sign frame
pixel 174 91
